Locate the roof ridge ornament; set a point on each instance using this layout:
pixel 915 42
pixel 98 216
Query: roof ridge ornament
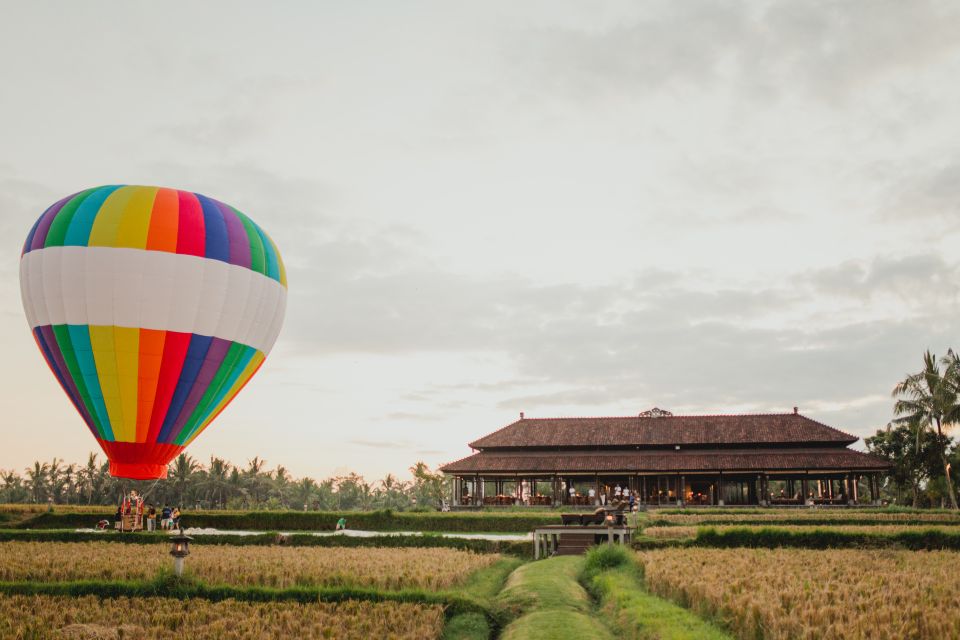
pixel 656 412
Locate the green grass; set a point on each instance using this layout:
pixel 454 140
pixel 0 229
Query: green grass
pixel 481 587
pixel 634 613
pixel 486 583
pixel 557 624
pixel 546 584
pixel 545 601
pixel 467 626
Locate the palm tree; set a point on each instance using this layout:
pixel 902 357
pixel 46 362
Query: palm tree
pixel 281 484
pixel 218 481
pixel 87 477
pixel 183 468
pixel 12 490
pixel 928 399
pixel 304 492
pixel 37 481
pixel 257 482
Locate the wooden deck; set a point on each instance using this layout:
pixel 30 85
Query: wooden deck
pixel 569 540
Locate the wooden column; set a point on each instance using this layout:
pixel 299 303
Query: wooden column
pixel 804 486
pixel 682 494
pixel 720 489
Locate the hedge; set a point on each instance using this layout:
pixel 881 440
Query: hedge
pixel 805 522
pixel 511 547
pixel 758 509
pixel 824 538
pixel 319 520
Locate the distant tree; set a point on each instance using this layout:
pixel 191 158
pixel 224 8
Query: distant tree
pixel 256 480
pixel 353 492
pixel 391 493
pixel 220 485
pixel 304 492
pixel 12 489
pixel 429 488
pixel 36 481
pixel 911 469
pixel 181 475
pixel 88 478
pixel 281 486
pixel 928 400
pixel 216 483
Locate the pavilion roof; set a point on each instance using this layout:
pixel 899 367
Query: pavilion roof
pixel 750 429
pixel 609 461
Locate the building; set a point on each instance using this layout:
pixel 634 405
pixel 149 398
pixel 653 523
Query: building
pixel 662 459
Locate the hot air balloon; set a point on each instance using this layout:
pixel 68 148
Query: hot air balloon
pixel 153 307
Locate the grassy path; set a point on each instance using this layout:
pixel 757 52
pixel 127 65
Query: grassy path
pixel 549 603
pixel 551 600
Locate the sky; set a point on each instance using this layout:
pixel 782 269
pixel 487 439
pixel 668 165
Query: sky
pixel 561 208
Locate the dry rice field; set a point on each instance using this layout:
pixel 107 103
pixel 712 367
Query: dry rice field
pixel 87 618
pixel 840 594
pixel 245 566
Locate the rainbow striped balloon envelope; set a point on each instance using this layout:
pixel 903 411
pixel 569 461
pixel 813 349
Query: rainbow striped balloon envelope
pixel 153 308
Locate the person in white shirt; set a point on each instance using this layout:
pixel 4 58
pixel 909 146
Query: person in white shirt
pixel 593 495
pixel 573 492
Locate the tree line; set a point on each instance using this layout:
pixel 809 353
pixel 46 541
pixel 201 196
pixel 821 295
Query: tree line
pixel 927 403
pixel 222 485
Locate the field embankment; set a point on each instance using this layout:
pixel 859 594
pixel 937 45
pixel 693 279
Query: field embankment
pixel 463 522
pixel 814 537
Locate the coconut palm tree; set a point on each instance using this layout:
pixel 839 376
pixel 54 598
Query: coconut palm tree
pixel 256 480
pixel 87 477
pixel 928 399
pixel 217 482
pixel 281 485
pixel 184 467
pixel 37 481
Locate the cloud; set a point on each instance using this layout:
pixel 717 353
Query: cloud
pixel 914 281
pixel 669 338
pixel 931 192
pixel 765 50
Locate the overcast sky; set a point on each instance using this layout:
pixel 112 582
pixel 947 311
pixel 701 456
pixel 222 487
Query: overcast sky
pixel 563 208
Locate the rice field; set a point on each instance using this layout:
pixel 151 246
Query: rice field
pixel 88 617
pixel 840 594
pixel 273 566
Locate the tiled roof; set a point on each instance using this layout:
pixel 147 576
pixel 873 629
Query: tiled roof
pixel 834 458
pixel 668 430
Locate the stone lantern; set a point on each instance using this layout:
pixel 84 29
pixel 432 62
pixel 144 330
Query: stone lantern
pixel 180 549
